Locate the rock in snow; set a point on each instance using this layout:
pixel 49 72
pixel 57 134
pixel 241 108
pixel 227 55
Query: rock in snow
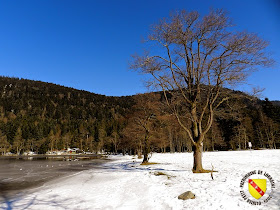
pixel 186 195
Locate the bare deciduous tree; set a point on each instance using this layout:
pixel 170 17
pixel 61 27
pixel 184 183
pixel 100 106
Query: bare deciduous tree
pixel 192 58
pixel 142 123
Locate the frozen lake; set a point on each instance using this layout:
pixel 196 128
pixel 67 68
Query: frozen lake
pixel 17 175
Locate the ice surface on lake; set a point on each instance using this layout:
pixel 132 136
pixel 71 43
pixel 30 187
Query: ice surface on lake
pixel 18 175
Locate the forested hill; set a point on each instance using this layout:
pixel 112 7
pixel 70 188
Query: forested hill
pixel 21 96
pixel 43 117
pixel 36 111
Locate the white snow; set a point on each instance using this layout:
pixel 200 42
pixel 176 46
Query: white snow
pixel 125 184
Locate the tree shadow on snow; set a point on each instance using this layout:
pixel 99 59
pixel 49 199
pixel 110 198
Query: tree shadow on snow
pixel 135 166
pixel 28 202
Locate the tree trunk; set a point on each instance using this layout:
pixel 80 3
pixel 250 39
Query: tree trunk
pixel 172 149
pixel 146 149
pixel 213 145
pixel 198 146
pixel 245 139
pixel 139 153
pixel 197 158
pixel 145 159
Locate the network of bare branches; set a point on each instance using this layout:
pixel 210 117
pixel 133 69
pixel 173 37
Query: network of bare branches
pixel 194 57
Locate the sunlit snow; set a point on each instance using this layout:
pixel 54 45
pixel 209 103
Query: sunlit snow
pixel 125 184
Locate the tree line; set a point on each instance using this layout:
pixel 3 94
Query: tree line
pixel 40 117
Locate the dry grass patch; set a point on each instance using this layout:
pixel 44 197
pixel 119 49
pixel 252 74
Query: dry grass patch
pixel 159 173
pixel 148 163
pixel 204 171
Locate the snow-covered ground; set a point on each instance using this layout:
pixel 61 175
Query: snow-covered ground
pixel 125 184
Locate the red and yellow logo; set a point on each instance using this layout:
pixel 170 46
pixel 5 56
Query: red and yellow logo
pixel 257 187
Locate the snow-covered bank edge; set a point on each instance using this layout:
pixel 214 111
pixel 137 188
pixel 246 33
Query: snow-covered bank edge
pixel 125 184
pixel 31 181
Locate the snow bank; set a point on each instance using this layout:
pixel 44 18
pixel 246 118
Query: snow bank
pixel 124 184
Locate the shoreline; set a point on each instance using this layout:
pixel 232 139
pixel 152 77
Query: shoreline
pixel 42 156
pixel 28 180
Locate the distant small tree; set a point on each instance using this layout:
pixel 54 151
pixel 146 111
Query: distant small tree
pixel 101 133
pixel 66 139
pixel 4 144
pixel 29 145
pixel 215 138
pixel 52 139
pixel 271 131
pixel 115 140
pixel 82 136
pixel 18 141
pixel 195 58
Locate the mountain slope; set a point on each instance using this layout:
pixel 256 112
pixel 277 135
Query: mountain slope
pixel 38 108
pixel 41 116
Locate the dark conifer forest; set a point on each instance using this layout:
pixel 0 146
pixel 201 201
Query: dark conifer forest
pixel 40 117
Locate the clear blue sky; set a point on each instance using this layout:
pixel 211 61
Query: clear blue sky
pixel 87 44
